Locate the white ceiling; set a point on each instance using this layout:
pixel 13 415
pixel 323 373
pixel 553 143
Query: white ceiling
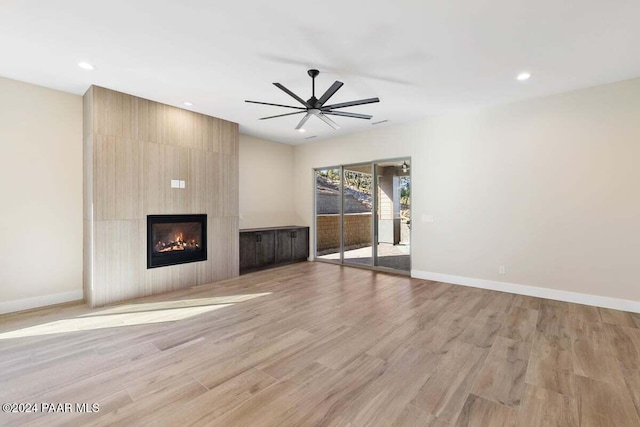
pixel 419 57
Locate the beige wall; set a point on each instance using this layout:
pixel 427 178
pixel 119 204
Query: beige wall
pixel 549 188
pixel 41 193
pixel 266 183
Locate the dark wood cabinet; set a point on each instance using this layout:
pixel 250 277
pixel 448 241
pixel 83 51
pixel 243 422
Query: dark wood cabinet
pixel 292 244
pixel 265 243
pixel 269 247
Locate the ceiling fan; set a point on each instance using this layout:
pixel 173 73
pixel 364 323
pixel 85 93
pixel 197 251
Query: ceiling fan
pixel 316 107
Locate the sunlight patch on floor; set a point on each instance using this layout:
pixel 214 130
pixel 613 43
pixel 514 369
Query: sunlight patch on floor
pixel 133 314
pixel 164 305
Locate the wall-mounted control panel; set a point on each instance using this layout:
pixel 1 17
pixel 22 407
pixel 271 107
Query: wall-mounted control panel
pixel 177 183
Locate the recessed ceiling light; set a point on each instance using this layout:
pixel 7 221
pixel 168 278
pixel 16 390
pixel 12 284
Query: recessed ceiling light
pixel 301 130
pixel 85 66
pixel 188 104
pixel 523 76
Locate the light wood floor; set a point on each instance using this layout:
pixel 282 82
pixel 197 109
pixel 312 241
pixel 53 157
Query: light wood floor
pixel 318 344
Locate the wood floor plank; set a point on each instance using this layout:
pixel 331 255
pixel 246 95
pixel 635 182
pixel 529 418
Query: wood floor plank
pixel 592 354
pixel 520 324
pixel 502 376
pixel 479 412
pixel 327 404
pixel 445 392
pixel 314 344
pixel 604 404
pixel 551 365
pixel 384 399
pixel 617 317
pixel 412 416
pixel 545 408
pixel 584 313
pixel 340 356
pixel 228 369
pixel 632 380
pixel 553 323
pixel 524 301
pixel 484 328
pixel 213 404
pixel 625 344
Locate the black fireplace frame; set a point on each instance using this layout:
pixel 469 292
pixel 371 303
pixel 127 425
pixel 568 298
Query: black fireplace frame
pixel 180 257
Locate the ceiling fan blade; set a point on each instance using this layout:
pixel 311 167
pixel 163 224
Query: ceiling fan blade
pixel 345 114
pixel 327 120
pixel 275 105
pixel 293 95
pixel 351 103
pixel 281 115
pixel 303 121
pixel 329 93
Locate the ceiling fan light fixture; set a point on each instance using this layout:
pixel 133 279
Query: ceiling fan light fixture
pixel 85 66
pixel 301 130
pixel 523 76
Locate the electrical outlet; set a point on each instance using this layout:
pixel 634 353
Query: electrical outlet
pixel 501 270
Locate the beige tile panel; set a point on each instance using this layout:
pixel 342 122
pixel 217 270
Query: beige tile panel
pixel 87 266
pixel 148 127
pixel 161 164
pixel 104 177
pixel 87 172
pixel 87 113
pixel 228 137
pixel 230 187
pixel 117 260
pixel 117 178
pixel 211 134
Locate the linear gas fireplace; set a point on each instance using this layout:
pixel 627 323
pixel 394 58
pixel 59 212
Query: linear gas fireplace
pixel 176 239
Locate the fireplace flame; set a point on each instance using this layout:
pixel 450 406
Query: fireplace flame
pixel 177 244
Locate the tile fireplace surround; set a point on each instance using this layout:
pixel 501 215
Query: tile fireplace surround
pixel 133 150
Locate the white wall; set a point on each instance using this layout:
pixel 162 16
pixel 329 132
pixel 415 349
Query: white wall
pixel 41 194
pixel 266 183
pixel 549 188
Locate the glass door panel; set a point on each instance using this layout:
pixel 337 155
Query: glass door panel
pixel 357 218
pixel 393 212
pixel 328 225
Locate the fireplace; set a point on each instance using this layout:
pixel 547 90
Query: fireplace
pixel 176 239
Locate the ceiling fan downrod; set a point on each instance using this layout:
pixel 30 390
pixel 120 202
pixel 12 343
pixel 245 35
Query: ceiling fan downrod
pixel 313 73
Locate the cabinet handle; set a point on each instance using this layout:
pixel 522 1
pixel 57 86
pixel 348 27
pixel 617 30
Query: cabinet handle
pixel 294 234
pixel 258 237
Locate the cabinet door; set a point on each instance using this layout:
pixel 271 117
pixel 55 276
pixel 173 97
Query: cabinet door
pixel 284 249
pixel 265 248
pixel 247 251
pixel 300 243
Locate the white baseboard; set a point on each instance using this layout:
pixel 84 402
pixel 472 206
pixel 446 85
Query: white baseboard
pixel 533 291
pixel 42 301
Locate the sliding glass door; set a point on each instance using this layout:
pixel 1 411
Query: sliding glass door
pixel 363 215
